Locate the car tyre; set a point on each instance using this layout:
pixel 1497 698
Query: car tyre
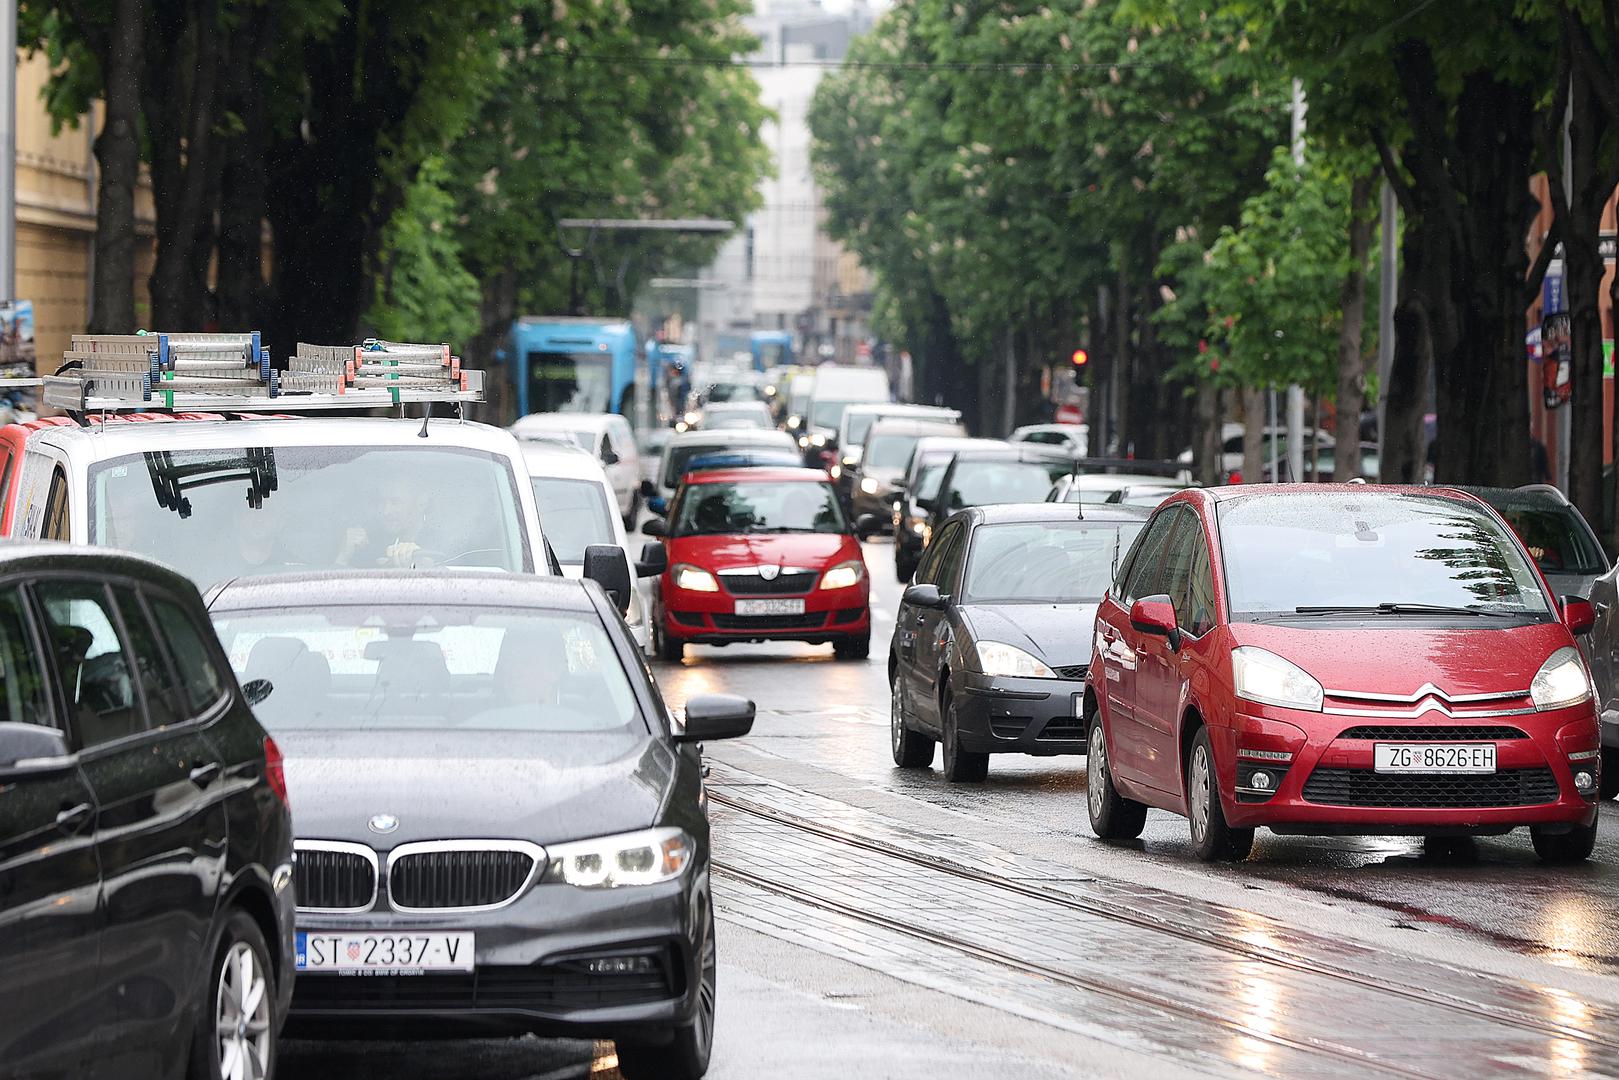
pixel 1610 771
pixel 671 650
pixel 960 766
pixel 1212 839
pixel 852 648
pixel 1573 846
pixel 1113 817
pixel 912 749
pixel 686 1055
pixel 633 512
pixel 236 1020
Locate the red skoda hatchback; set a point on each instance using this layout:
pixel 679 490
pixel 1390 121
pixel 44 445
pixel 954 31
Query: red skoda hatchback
pixel 1343 659
pixel 761 555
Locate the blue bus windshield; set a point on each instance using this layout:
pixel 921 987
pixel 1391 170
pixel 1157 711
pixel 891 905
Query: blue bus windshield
pixel 579 382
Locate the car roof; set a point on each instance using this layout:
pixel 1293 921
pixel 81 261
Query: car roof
pixel 761 476
pixel 1014 452
pixel 470 588
pixel 100 442
pixel 560 460
pixel 1234 492
pixel 733 437
pixel 34 556
pixel 951 442
pixel 1002 513
pixel 562 422
pixel 909 425
pixel 1530 495
pixel 1067 429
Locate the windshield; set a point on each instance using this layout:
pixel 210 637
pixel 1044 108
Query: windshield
pixel 753 507
pixel 1284 552
pixel 980 483
pixel 889 452
pixel 828 414
pixel 1559 542
pixel 733 392
pixel 215 514
pixel 574 514
pixel 1051 562
pixel 569 382
pixel 927 484
pixel 859 426
pixel 398 666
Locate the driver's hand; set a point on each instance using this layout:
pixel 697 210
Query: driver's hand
pixel 353 540
pixel 402 554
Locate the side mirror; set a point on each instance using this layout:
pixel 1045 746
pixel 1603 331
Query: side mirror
pixel 1156 615
pixel 716 716
pixel 925 596
pixel 256 690
pixel 927 504
pixel 870 525
pixel 32 750
pixel 658 505
pixel 609 456
pixel 1578 615
pixel 607 566
pixel 654 560
pixel 654 527
pixel 649 490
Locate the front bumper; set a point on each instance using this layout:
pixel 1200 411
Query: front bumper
pixel 1330 787
pixel 1000 715
pixel 530 973
pixel 710 618
pixel 880 502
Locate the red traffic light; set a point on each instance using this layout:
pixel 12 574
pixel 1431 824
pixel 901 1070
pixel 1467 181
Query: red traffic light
pixel 1081 357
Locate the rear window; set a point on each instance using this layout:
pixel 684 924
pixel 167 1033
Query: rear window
pixel 981 483
pixel 1046 562
pixel 574 514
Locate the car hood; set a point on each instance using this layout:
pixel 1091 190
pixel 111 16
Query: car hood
pixel 1380 659
pixel 445 785
pixel 1059 634
pixel 813 550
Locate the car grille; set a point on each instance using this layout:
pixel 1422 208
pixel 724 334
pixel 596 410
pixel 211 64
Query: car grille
pixel 754 585
pixel 1063 727
pixel 1363 787
pixel 1433 732
pixel 770 622
pixel 1073 671
pixel 333 880
pixel 457 878
pixel 541 987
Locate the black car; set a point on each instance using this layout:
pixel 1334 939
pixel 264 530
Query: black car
pixel 992 643
pixel 499 824
pixel 145 841
pixel 920 481
pixel 1554 531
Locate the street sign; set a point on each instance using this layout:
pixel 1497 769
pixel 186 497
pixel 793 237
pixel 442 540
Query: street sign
pixel 1069 414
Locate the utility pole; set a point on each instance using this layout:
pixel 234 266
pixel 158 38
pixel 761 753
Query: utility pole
pixel 1295 393
pixel 8 151
pixel 1565 415
pixel 1388 286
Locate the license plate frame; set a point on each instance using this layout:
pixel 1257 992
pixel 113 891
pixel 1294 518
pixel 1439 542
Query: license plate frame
pixel 774 606
pixel 1435 759
pixel 385 952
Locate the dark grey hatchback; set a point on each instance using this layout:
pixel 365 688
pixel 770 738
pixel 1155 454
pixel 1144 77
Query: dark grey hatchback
pixel 146 909
pixel 499 825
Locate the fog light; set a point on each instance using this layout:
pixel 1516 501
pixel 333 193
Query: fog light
pixel 1584 781
pixel 619 965
pixel 1260 780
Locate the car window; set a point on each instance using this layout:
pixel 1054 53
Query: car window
pixel 1195 615
pixel 188 646
pixel 1178 558
pixel 6 475
pixel 1147 560
pixel 56 518
pixel 950 563
pixel 1557 540
pixel 575 515
pixel 982 482
pixel 927 571
pixel 91 662
pixel 165 702
pixel 22 671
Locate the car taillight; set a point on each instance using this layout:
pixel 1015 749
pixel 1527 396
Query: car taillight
pixel 274 772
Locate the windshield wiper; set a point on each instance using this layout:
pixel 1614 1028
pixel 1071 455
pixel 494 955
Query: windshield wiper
pixel 1390 608
pixel 775 529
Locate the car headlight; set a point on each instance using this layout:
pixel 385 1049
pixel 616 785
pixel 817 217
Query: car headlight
pixel 803 442
pixel 794 420
pixel 1265 677
pixel 843 575
pixel 819 439
pixel 694 579
pixel 1561 681
pixel 609 862
pixel 836 471
pixel 850 462
pixel 693 417
pixel 868 484
pixel 999 658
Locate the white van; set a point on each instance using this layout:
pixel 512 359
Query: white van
pixel 836 388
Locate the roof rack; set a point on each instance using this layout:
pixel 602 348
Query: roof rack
pixel 234 372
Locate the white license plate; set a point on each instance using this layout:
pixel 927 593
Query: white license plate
pixel 770 607
pixel 385 953
pixel 1433 757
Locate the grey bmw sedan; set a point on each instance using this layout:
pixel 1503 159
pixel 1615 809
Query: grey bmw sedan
pixel 499 827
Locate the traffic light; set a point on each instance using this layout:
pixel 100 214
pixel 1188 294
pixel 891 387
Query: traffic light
pixel 1081 358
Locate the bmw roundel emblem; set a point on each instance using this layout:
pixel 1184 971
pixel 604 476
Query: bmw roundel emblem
pixel 383 823
pixel 769 572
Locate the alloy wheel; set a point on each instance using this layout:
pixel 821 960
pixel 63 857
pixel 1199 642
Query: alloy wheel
pixel 896 721
pixel 706 994
pixel 1198 795
pixel 1096 767
pixel 242 1015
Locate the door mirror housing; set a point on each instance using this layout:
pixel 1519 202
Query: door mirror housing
pixel 256 690
pixel 1578 614
pixel 609 456
pixel 654 527
pixel 658 505
pixel 649 490
pixel 1156 615
pixel 607 566
pixel 716 716
pixel 869 525
pixel 32 750
pixel 654 560
pixel 925 596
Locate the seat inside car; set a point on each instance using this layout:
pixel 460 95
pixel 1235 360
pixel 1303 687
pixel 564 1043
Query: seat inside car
pixel 302 680
pixel 410 671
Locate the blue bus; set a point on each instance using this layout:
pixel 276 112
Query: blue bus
pixel 771 348
pixel 565 363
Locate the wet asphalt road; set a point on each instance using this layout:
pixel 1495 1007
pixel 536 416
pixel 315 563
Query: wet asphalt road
pixel 853 946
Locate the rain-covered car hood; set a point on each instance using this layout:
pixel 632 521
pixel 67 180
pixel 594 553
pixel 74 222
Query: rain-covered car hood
pixel 1059 634
pixel 813 550
pixel 1400 660
pixel 445 785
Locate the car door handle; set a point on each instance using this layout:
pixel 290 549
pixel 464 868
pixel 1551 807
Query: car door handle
pixel 73 819
pixel 204 774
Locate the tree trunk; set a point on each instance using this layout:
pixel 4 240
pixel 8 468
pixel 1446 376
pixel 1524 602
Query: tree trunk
pixel 1351 361
pixel 1206 433
pixel 1119 383
pixel 1255 415
pixel 118 154
pixel 240 286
